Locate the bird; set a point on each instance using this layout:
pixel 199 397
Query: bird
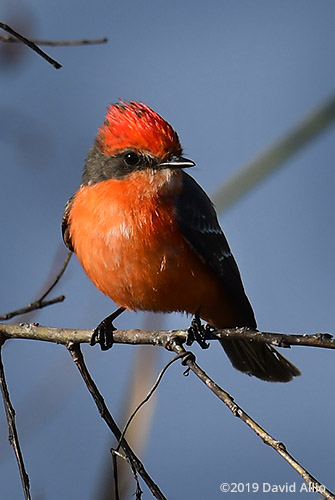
pixel 148 236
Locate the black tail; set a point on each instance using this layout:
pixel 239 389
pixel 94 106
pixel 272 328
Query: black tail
pixel 258 359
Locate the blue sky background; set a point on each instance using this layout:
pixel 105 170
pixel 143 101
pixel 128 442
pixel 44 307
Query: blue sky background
pixel 231 77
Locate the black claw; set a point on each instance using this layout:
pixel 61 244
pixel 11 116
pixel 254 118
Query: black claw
pixel 103 333
pixel 197 332
pixel 190 336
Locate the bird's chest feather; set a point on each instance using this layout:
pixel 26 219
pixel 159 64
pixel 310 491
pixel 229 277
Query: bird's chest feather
pixel 126 237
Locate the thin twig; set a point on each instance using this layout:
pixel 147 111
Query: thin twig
pixel 58 277
pixel 148 396
pixel 237 411
pixel 138 492
pixel 115 476
pixel 162 337
pixel 32 307
pixel 77 356
pixel 40 303
pixel 30 44
pixel 13 435
pixel 57 43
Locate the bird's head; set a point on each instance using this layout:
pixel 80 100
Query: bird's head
pixel 133 137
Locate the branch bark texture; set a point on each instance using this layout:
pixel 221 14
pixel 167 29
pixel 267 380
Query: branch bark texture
pixel 164 338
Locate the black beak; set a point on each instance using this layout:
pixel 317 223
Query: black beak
pixel 177 162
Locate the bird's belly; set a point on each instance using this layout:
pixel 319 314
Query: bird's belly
pixel 144 270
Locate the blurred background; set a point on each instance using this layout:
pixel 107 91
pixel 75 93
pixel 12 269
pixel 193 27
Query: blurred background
pixel 231 77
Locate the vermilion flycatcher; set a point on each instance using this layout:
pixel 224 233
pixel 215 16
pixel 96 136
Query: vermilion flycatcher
pixel 148 236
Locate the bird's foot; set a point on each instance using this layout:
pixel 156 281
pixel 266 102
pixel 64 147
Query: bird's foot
pixel 197 333
pixel 103 333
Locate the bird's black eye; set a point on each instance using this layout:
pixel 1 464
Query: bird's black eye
pixel 132 159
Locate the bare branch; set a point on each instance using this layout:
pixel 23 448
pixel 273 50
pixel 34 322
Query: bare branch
pixel 13 435
pixel 58 277
pixel 115 476
pixel 40 303
pixel 30 44
pixel 325 340
pixel 115 455
pixel 56 43
pixel 164 338
pixel 148 396
pixel 237 411
pixel 172 340
pixel 136 464
pixel 32 307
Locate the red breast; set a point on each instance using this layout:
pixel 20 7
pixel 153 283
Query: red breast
pixel 125 236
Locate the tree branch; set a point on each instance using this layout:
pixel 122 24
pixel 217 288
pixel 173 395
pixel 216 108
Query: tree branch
pixel 148 396
pixel 30 44
pixel 13 435
pixel 40 303
pixel 136 464
pixel 58 277
pixel 164 338
pixel 56 43
pixel 237 411
pixel 172 341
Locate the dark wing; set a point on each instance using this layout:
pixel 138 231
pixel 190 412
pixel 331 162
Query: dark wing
pixel 65 225
pixel 198 222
